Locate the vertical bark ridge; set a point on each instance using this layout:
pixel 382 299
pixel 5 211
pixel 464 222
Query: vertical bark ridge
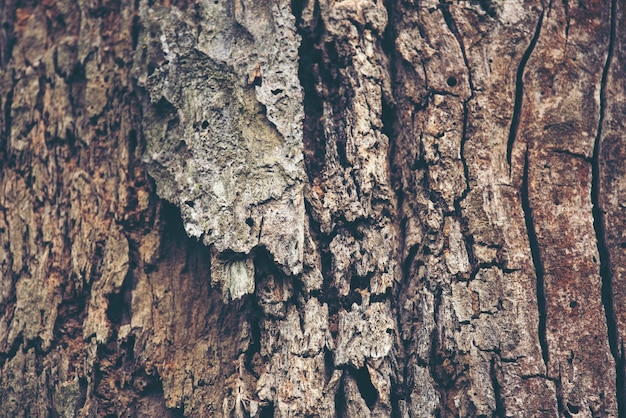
pixel 599 227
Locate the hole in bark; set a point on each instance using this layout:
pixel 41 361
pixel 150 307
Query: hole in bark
pixel 118 311
pixel 451 81
pixel 360 282
pixel 573 304
pixel 488 7
pixel 622 245
pixel 277 91
pixel 366 388
pixel 267 411
pixel 164 108
pixel 190 203
pixel 574 409
pixel 249 222
pixel 205 124
pixel 341 152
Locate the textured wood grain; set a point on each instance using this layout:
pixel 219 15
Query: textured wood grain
pixel 316 208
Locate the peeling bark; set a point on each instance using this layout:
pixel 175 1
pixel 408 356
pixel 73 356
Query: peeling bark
pixel 316 208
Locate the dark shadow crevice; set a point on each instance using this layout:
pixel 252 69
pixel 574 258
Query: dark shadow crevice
pixel 267 411
pixel 500 411
pixel 537 262
pixel 340 399
pixel 6 135
pixel 366 388
pixel 599 226
pixel 519 90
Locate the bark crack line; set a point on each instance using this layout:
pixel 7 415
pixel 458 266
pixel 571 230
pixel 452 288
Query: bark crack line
pixel 447 17
pixel 400 388
pixel 468 239
pixel 537 262
pixel 567 22
pixel 500 410
pixel 519 90
pixel 599 227
pixel 8 103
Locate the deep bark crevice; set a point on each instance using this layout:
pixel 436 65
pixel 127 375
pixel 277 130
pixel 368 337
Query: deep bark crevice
pixel 310 58
pixel 559 399
pixel 567 22
pixel 500 411
pixel 519 90
pixel 537 262
pixel 340 399
pixel 267 411
pixel 119 307
pixel 599 226
pixel 366 388
pixel 6 135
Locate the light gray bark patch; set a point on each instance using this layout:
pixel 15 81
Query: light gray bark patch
pixel 223 126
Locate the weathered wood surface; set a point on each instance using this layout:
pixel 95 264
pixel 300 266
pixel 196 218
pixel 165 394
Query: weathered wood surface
pixel 312 208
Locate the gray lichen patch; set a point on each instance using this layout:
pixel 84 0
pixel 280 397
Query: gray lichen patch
pixel 223 125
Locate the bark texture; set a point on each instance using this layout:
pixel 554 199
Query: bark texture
pixel 369 208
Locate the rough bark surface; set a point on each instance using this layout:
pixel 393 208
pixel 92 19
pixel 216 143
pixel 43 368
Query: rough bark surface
pixel 323 208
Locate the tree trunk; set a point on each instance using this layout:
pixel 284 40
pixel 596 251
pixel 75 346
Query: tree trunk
pixel 318 208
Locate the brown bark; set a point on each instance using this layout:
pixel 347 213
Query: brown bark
pixel 317 208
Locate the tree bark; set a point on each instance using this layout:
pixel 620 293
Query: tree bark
pixel 241 208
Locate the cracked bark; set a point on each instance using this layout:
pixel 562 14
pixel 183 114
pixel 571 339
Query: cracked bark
pixel 334 209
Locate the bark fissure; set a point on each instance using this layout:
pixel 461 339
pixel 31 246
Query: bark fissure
pixel 572 154
pixel 7 124
pixel 462 148
pixel 400 390
pixel 567 22
pixel 500 411
pixel 599 226
pixel 519 90
pixel 537 262
pixel 447 16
